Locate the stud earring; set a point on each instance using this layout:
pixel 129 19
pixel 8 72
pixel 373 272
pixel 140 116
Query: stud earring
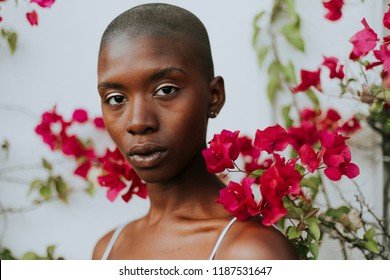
pixel 213 115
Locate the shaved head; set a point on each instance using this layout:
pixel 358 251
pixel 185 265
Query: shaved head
pixel 165 21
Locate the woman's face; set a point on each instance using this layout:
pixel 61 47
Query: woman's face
pixel 155 103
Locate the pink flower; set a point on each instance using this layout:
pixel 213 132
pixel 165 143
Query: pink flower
pixel 1 19
pixel 273 138
pixel 118 173
pixel 239 200
pixel 363 41
pixel 334 9
pixel 224 149
pixel 80 115
pixel 43 3
pixel 307 133
pixel 83 169
pixel 337 156
pixel 309 79
pixel 278 181
pixel 383 55
pixel 32 17
pixel 330 121
pixel 309 114
pixel 336 69
pixel 386 18
pixel 99 123
pixel 350 126
pixel 310 158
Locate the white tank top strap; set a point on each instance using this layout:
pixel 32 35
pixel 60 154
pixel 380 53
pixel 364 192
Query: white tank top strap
pixel 112 241
pixel 219 241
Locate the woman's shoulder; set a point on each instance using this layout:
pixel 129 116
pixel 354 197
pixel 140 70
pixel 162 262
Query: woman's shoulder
pixel 101 245
pixel 251 240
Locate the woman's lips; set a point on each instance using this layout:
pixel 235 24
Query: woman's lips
pixel 146 155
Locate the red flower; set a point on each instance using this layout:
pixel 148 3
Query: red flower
pixel 363 41
pixel 350 126
pixel 309 114
pixel 329 122
pixel 273 138
pixel 310 158
pixel 386 18
pixel 307 133
pixel 116 171
pixel 334 9
pixel 99 123
pixel 43 3
pixel 224 149
pixel 32 17
pixel 337 156
pixel 83 169
pixel 1 19
pixel 336 69
pixel 309 79
pixel 80 115
pixel 383 55
pixel 239 200
pixel 278 181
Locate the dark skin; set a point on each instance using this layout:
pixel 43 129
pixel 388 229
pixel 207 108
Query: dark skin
pixel 155 104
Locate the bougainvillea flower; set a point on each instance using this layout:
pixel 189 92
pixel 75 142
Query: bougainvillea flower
pixel 337 156
pixel 340 164
pixel 310 158
pixel 329 121
pixel 309 114
pixel 224 149
pixel 80 115
pixel 117 171
pixel 273 138
pixel 350 126
pixel 363 41
pixel 43 3
pixel 334 9
pixel 309 79
pixel 83 169
pixel 383 55
pixel 336 69
pixel 99 123
pixel 1 19
pixel 32 18
pixel 386 18
pixel 238 199
pixel 307 133
pixel 278 181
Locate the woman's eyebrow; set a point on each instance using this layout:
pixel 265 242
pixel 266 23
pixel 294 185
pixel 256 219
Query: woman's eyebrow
pixel 165 71
pixel 111 85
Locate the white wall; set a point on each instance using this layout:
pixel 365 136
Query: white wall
pixel 55 63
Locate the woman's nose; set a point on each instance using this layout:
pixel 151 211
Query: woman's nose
pixel 141 118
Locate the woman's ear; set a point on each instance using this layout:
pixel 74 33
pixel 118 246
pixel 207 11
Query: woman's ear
pixel 217 96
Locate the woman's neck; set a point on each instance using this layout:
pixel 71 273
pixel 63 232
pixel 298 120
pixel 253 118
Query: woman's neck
pixel 191 195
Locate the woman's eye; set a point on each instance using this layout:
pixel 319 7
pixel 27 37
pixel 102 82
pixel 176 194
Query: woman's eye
pixel 115 99
pixel 166 90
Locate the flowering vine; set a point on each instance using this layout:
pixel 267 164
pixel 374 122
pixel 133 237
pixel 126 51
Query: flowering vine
pixel 11 36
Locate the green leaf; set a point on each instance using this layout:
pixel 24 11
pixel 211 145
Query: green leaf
pixel 290 4
pixel 293 233
pixel 30 256
pixel 34 184
pixel 286 116
pixel 50 251
pixel 313 98
pixel 369 234
pixel 314 229
pixel 261 55
pixel 274 84
pixel 289 71
pixel 6 254
pixel 47 165
pixel 292 34
pixel 372 246
pixel 336 213
pixel 45 192
pixel 257 173
pixel 314 250
pixel 300 168
pixel 90 189
pixel 61 188
pixel 256 29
